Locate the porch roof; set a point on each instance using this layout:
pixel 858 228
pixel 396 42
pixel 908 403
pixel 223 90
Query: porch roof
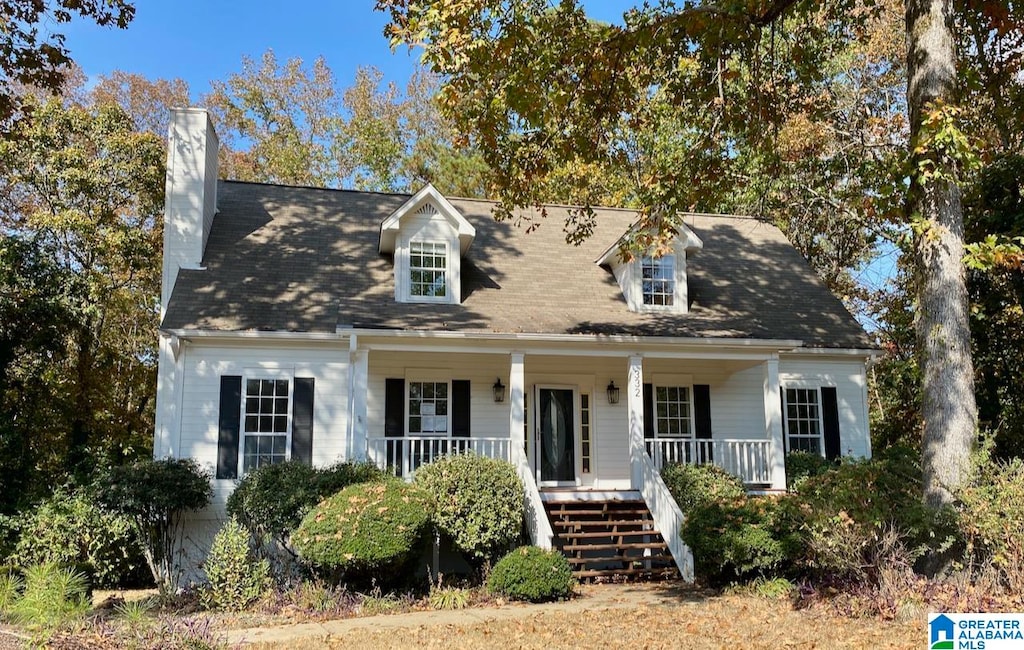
pixel 283 258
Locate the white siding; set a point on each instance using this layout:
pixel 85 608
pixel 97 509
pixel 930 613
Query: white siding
pixel 200 398
pixel 850 380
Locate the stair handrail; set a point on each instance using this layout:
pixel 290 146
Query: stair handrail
pixel 541 533
pixel 667 516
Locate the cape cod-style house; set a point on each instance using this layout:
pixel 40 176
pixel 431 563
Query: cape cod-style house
pixel 323 325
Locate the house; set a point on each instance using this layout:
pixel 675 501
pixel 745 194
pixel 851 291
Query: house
pixel 322 325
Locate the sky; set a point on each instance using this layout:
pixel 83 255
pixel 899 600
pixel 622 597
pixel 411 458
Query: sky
pixel 202 40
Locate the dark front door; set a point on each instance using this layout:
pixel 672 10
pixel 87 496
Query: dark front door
pixel 555 407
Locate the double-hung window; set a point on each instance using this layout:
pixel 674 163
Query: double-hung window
pixel 803 420
pixel 266 422
pixel 673 412
pixel 428 269
pixel 428 408
pixel 658 280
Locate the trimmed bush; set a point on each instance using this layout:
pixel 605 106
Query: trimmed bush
pixel 742 537
pixel 989 514
pixel 368 530
pixel 237 578
pixel 154 494
pixel 693 486
pixel 802 465
pixel 271 501
pixel 478 503
pixel 532 574
pixel 70 529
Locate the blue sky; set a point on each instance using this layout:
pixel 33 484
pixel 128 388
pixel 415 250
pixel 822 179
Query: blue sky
pixel 200 41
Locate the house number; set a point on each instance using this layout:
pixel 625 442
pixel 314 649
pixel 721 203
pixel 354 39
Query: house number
pixel 634 383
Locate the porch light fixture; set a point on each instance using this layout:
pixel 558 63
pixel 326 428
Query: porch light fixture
pixel 613 393
pixel 499 391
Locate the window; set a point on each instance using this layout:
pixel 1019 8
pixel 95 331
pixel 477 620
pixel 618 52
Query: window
pixel 672 411
pixel 428 269
pixel 428 408
pixel 266 423
pixel 803 420
pixel 586 455
pixel 658 280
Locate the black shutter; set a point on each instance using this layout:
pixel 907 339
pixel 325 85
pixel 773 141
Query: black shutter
pixel 648 411
pixel 229 422
pixel 702 421
pixel 394 408
pixel 785 430
pixel 302 420
pixel 830 416
pixel 460 408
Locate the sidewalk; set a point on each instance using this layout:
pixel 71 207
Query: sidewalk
pixel 592 598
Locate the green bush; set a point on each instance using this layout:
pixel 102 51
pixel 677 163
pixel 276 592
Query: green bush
pixel 271 501
pixel 154 495
pixel 742 537
pixel 532 574
pixel 848 510
pixel 70 529
pixel 802 465
pixel 237 578
pixel 990 513
pixel 693 486
pixel 478 503
pixel 368 530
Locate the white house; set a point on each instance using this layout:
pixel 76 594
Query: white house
pixel 323 325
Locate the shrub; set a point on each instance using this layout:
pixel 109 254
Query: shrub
pixel 366 530
pixel 989 514
pixel 271 501
pixel 532 574
pixel 693 486
pixel 237 578
pixel 154 495
pixel 848 510
pixel 51 596
pixel 11 585
pixel 449 598
pixel 742 537
pixel 802 465
pixel 478 503
pixel 70 529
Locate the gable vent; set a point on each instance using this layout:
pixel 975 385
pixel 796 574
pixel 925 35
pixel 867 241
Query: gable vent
pixel 427 209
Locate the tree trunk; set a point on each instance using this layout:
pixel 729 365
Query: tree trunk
pixel 943 335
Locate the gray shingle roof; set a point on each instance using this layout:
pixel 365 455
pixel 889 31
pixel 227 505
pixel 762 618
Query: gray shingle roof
pixel 302 259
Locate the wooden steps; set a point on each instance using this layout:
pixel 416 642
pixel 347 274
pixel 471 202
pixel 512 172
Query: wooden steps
pixel 610 539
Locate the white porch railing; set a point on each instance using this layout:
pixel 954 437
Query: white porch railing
pixel 667 516
pixel 403 456
pixel 748 459
pixel 541 533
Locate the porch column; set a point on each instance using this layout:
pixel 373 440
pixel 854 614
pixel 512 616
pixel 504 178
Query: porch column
pixel 517 412
pixel 360 382
pixel 773 422
pixel 635 411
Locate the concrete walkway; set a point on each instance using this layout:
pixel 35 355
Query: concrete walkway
pixel 590 598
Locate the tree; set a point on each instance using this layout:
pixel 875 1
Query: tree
pixel 87 190
pixel 41 60
pixel 541 85
pixel 147 102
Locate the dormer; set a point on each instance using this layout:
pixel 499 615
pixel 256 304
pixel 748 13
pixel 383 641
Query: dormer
pixel 655 281
pixel 428 238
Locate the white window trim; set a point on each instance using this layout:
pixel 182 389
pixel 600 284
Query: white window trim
pixel 673 381
pixel 631 281
pixel 260 374
pixel 675 282
pixel 804 384
pixel 448 288
pixel 433 376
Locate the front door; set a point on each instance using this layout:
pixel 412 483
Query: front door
pixel 556 436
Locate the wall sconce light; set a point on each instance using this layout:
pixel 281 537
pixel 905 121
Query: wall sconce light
pixel 613 393
pixel 499 391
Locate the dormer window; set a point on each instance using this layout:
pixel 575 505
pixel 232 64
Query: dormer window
pixel 428 269
pixel 658 280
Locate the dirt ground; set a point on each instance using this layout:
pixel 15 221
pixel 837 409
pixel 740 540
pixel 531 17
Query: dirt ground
pixel 686 621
